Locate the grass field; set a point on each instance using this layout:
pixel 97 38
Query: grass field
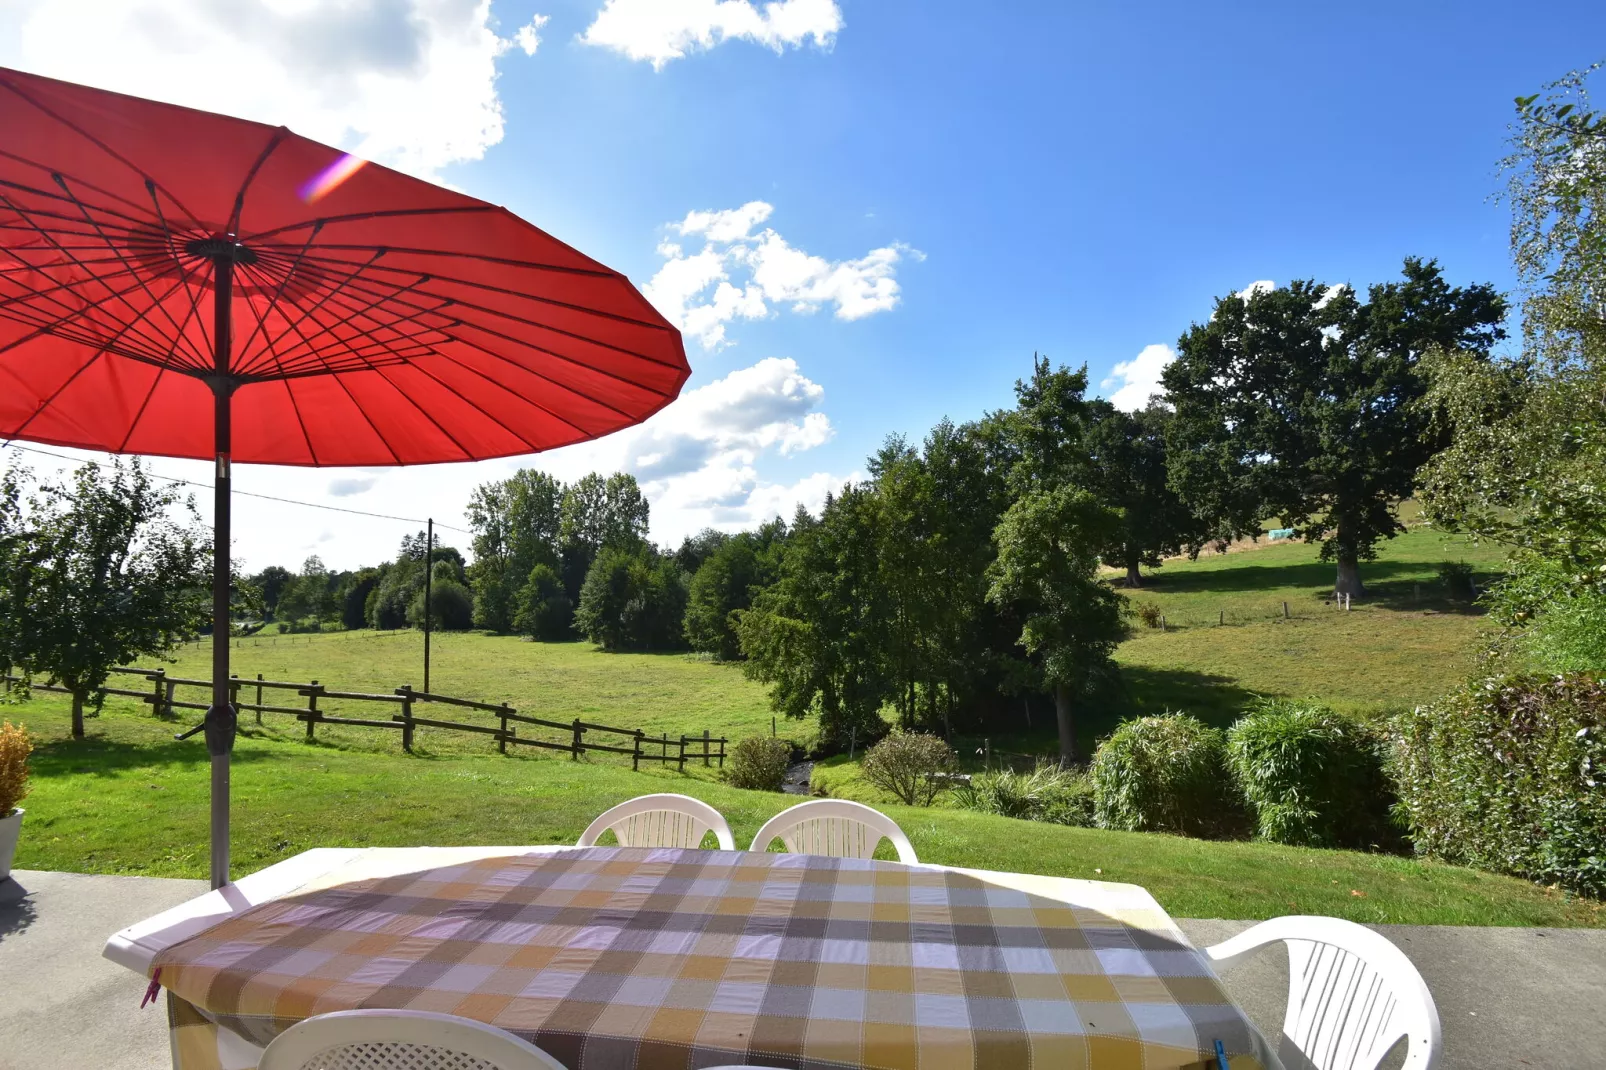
pixel 130 800
pixel 1407 642
pixel 657 693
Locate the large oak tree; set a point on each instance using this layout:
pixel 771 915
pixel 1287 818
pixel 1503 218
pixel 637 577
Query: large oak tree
pixel 1302 402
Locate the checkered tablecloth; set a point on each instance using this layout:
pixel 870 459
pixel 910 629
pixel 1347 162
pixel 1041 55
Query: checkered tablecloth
pixel 633 959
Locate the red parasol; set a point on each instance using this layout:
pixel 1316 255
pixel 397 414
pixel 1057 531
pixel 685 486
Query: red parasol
pixel 158 263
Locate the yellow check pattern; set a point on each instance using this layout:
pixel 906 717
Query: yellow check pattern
pixel 636 959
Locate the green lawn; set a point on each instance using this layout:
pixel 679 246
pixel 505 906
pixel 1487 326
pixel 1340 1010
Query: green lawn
pixel 130 800
pixel 1406 642
pixel 657 693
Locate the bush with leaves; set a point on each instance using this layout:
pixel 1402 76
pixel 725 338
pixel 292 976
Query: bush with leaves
pixel 910 765
pixel 759 763
pixel 451 607
pixel 542 607
pixel 1311 777
pixel 1048 793
pixel 1507 775
pixel 1165 774
pixel 15 746
pixel 1148 613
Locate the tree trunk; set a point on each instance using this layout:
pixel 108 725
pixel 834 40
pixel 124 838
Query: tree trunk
pixel 1134 578
pixel 1349 565
pixel 1067 725
pixel 78 715
pixel 1349 577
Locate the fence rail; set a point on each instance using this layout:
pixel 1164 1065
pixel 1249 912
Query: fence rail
pixel 630 741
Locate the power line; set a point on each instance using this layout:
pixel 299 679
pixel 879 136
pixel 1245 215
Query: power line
pixel 251 494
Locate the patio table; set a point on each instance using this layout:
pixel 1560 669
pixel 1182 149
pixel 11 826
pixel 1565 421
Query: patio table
pixel 617 958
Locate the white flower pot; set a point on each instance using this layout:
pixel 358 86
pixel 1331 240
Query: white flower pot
pixel 10 827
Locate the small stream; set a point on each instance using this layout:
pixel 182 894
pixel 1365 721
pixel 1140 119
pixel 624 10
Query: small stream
pixel 797 778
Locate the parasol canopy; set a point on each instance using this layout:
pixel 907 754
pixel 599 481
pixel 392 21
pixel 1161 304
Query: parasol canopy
pixel 185 284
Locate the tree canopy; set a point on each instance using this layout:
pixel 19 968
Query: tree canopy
pixel 1303 402
pixel 95 572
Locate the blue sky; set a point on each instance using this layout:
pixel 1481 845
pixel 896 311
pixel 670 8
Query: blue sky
pixel 936 189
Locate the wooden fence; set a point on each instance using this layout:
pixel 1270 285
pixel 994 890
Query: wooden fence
pixel 640 747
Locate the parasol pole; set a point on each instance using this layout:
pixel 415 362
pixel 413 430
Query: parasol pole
pixel 220 717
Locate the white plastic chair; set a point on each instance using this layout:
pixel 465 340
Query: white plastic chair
pixel 1351 995
pixel 661 821
pixel 834 827
pixel 400 1040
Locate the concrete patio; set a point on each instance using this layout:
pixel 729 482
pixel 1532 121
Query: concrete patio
pixel 1508 997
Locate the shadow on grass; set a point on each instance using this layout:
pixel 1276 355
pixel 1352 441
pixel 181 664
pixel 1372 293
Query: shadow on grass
pixel 100 756
pixel 1215 700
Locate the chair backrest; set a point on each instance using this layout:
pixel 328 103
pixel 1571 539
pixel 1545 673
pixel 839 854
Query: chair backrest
pixel 400 1040
pixel 661 821
pixel 1351 995
pixel 833 827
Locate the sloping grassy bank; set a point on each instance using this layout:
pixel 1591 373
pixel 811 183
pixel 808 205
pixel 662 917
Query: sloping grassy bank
pixel 130 800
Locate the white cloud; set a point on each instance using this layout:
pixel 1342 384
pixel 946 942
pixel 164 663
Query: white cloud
pixel 409 83
pixel 1330 293
pixel 658 31
pixel 528 36
pixel 732 224
pixel 1259 286
pixel 696 291
pixel 346 487
pixel 697 460
pixel 1133 382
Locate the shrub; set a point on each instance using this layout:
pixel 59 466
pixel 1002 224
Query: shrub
pixel 1311 777
pixel 14 749
pixel 759 763
pixel 1165 774
pixel 1048 793
pixel 451 605
pixel 909 765
pixel 1506 775
pixel 1148 613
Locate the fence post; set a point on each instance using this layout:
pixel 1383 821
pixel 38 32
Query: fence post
pixel 1221 618
pixel 574 747
pixel 663 750
pixel 705 748
pixel 987 754
pixel 259 698
pixel 406 692
pixel 772 726
pixel 234 693
pixel 158 679
pixel 501 742
pixel 1285 611
pixel 853 738
pixel 312 707
pixel 722 752
pixel 682 754
pixel 635 752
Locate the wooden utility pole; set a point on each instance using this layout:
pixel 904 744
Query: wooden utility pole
pixel 429 569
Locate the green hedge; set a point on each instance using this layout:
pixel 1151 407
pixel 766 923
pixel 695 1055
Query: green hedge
pixel 1506 775
pixel 1165 774
pixel 1311 777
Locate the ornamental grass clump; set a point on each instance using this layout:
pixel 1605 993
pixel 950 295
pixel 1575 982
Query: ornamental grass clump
pixel 1165 774
pixel 759 763
pixel 1048 793
pixel 15 746
pixel 1311 777
pixel 912 766
pixel 1509 774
